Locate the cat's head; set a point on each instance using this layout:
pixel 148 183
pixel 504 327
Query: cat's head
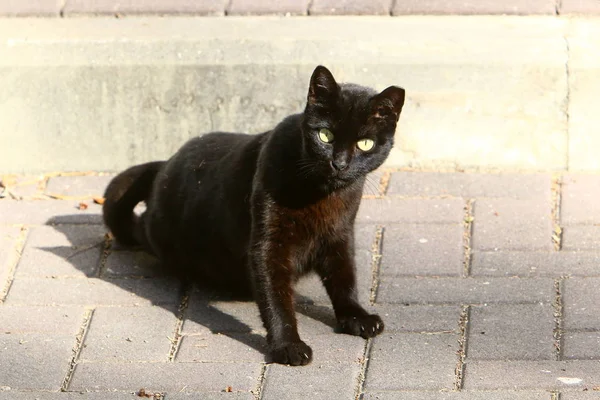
pixel 348 130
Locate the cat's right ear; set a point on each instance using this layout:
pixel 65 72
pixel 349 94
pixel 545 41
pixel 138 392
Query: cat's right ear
pixel 323 87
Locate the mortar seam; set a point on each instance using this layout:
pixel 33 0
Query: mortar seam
pixel 558 309
pixel 79 339
pixel 176 340
pixel 376 255
pixel 556 199
pixel 261 382
pixel 463 326
pixel 17 252
pixel 364 365
pixel 467 237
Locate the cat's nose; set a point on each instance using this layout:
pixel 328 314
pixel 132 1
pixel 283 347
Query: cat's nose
pixel 339 165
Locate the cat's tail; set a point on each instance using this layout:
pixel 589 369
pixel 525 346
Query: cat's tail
pixel 123 193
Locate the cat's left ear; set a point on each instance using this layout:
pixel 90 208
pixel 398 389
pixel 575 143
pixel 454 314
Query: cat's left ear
pixel 388 103
pixel 323 88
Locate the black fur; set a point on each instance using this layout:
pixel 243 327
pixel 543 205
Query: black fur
pixel 254 213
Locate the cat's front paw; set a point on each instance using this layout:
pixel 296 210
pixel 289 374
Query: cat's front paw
pixel 366 326
pixel 295 353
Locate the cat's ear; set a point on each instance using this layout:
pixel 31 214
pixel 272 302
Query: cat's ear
pixel 388 103
pixel 323 87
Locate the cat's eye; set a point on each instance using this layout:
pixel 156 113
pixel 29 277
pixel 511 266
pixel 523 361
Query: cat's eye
pixel 365 144
pixel 325 135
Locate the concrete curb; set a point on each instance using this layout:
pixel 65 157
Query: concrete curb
pixel 483 92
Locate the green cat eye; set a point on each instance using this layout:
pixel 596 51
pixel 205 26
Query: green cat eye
pixel 325 135
pixel 365 144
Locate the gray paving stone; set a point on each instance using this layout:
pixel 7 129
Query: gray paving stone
pixel 78 186
pixel 315 381
pixel 310 289
pixel 511 332
pixel 17 8
pixel 166 376
pixel 584 237
pixel 227 347
pixel 419 318
pixel 473 7
pixel 579 199
pixel 34 361
pixel 581 345
pixel 580 303
pixel 470 395
pixel 468 185
pixel 508 224
pixel 525 263
pixel 397 290
pixel 391 210
pixel 420 250
pixel 412 361
pixel 48 212
pixel 211 396
pixel 129 334
pixel 350 7
pixel 586 7
pixel 364 238
pixel 565 395
pixel 134 292
pixel 9 237
pixel 549 375
pixel 64 250
pixel 268 7
pixel 28 395
pixel 130 7
pixel 203 316
pixel 132 263
pixel 39 319
pixel 21 185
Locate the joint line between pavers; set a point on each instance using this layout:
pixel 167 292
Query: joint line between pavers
pixel 176 340
pixel 376 254
pixel 17 251
pixel 557 304
pixel 463 327
pixel 467 236
pixel 108 239
pixel 556 190
pixel 362 376
pixel 555 395
pixel 258 392
pixel 79 339
pixel 391 13
pixel 384 182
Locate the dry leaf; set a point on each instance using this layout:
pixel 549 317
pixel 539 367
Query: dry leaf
pixel 229 389
pixel 83 206
pixel 99 200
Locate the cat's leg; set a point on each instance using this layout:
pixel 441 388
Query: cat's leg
pixel 272 269
pixel 338 274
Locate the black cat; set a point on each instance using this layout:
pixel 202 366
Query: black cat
pixel 253 213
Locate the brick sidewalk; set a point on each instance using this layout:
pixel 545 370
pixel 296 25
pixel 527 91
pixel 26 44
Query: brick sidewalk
pixel 68 8
pixel 489 286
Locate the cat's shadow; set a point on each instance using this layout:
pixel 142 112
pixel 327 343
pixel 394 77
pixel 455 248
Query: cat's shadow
pixel 200 310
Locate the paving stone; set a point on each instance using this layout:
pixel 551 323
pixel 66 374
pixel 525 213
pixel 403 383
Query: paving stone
pixel 579 199
pixel 473 7
pixel 34 361
pixel 579 395
pixel 310 289
pixel 398 290
pixel 412 361
pixel 166 376
pixel 135 292
pixel 20 185
pixel 364 238
pixel 580 303
pixel 508 224
pixel 511 332
pixel 9 237
pixel 131 7
pixel 36 319
pixel 129 334
pixel 419 318
pixel 549 375
pixel 78 186
pixel 132 263
pixel 467 185
pixel 525 263
pixel 581 345
pixel 227 347
pixel 586 7
pixel 211 396
pixel 315 381
pixel 470 395
pixel 581 237
pixel 390 210
pixel 268 7
pixel 17 8
pixel 350 7
pixel 417 249
pixel 28 395
pixel 48 212
pixel 63 250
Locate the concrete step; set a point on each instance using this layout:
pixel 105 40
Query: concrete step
pixel 483 92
